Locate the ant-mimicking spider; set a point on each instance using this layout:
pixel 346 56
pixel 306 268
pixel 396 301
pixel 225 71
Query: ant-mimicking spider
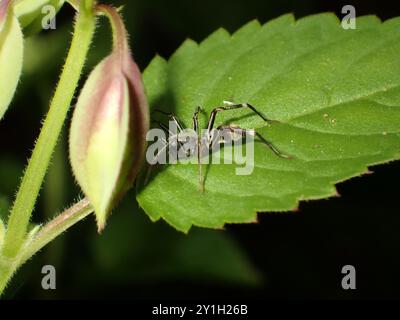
pixel 212 137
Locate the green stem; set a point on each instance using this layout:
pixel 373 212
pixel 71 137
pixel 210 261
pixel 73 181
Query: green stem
pixel 37 166
pixel 120 37
pixel 46 234
pixel 6 271
pixel 54 228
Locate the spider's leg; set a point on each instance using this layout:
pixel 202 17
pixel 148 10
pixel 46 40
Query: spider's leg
pixel 170 133
pixel 214 112
pixel 166 143
pixel 272 147
pixel 243 132
pixel 196 120
pixel 164 127
pixel 172 117
pixel 197 130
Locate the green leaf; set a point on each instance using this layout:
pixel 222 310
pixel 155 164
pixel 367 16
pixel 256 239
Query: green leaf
pixel 335 92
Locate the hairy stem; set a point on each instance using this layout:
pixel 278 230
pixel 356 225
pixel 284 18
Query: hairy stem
pixel 118 28
pixel 54 228
pixel 38 163
pixel 7 267
pixel 46 234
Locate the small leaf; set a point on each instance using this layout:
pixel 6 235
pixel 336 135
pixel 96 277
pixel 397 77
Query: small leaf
pixel 335 92
pixel 11 55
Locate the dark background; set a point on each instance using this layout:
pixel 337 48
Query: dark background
pixel 293 255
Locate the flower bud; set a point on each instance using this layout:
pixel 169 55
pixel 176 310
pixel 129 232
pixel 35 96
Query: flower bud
pixel 107 137
pixel 31 13
pixel 11 52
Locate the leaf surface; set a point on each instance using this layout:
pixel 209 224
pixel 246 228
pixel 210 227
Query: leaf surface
pixel 335 93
